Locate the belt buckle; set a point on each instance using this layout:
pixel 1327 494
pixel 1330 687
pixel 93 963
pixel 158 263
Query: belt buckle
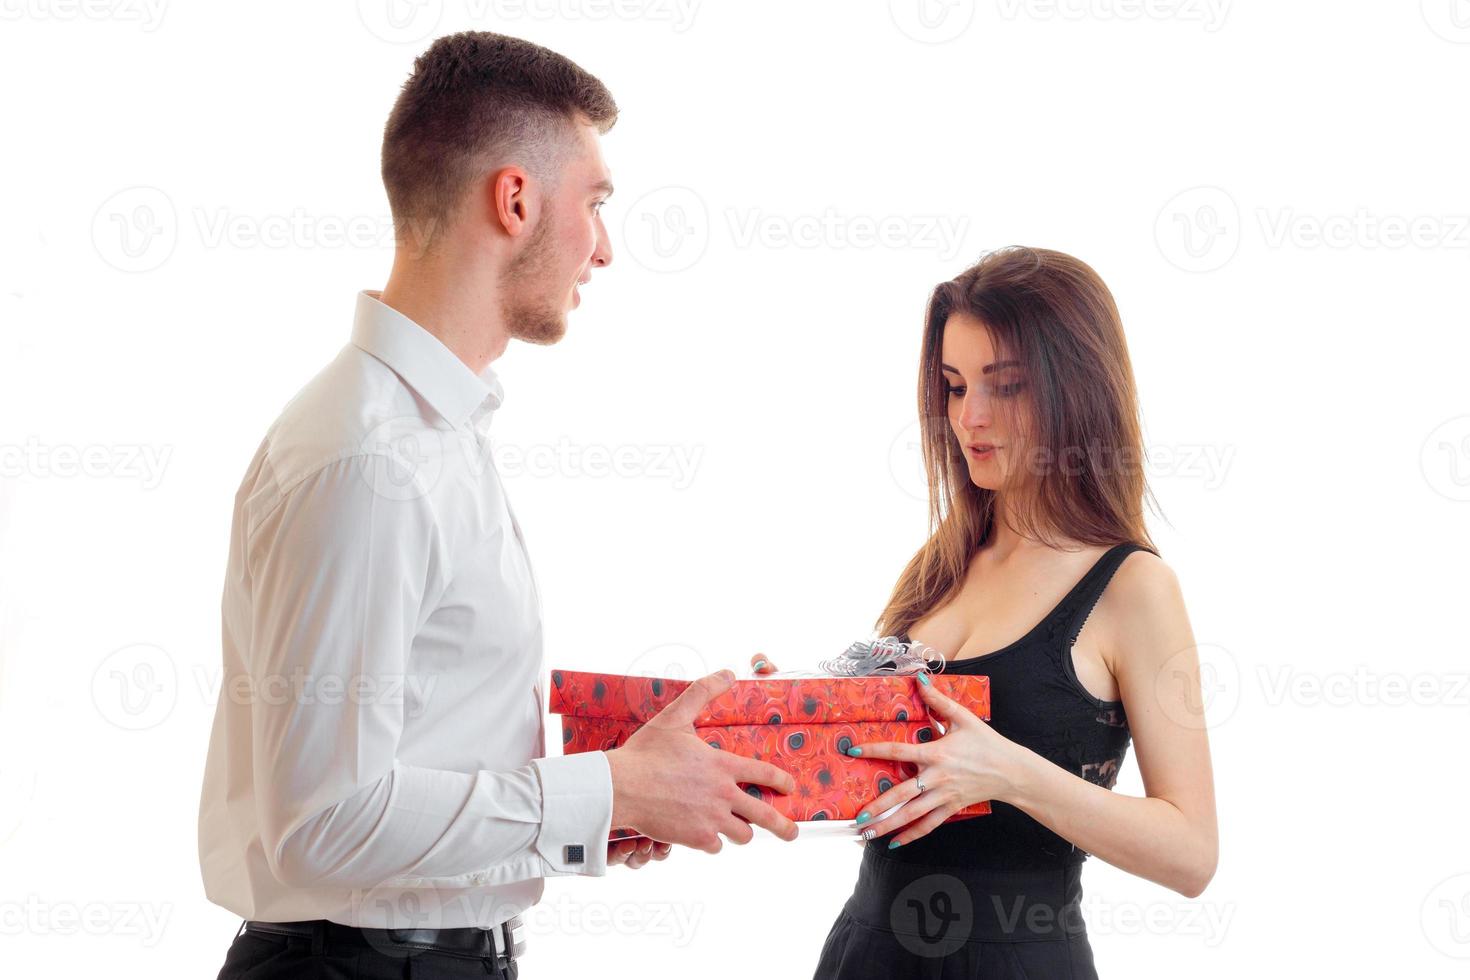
pixel 510 940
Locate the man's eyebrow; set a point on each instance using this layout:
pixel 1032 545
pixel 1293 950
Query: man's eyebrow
pixel 604 186
pixel 987 369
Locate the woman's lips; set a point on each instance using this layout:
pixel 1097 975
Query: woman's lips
pixel 980 451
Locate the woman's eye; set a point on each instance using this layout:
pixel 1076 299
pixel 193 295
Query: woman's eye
pixel 954 392
pixel 1010 390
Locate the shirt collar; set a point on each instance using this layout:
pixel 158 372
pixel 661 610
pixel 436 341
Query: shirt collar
pixel 424 363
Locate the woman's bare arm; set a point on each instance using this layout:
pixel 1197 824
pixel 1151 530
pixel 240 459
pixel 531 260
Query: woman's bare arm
pixel 1170 835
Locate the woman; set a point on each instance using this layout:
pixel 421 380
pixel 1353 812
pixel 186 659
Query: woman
pixel 1041 575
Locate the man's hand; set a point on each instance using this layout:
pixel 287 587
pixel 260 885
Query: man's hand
pixel 636 852
pixel 670 786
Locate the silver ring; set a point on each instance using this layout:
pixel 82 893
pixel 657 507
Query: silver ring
pixel 919 782
pixel 868 834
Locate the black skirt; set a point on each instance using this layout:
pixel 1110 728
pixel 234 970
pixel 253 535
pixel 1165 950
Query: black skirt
pixel 912 920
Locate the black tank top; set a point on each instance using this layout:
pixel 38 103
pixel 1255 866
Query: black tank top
pixel 1037 701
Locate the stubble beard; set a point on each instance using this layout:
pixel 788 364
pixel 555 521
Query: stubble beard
pixel 528 314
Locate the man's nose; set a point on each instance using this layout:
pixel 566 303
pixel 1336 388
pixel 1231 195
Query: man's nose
pixel 602 255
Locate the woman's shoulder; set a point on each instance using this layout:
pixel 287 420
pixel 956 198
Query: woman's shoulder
pixel 1143 579
pixel 1143 599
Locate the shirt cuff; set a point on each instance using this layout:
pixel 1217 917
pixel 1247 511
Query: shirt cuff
pixel 576 813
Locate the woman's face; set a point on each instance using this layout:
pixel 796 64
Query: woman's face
pixel 982 394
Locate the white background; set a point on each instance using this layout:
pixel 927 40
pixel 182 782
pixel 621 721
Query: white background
pixel 1274 192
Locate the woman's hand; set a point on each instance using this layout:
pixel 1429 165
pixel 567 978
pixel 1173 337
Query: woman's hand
pixel 635 852
pixel 969 764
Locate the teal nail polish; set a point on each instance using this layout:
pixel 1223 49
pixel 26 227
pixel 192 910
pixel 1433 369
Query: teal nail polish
pixel 760 664
pixel 863 818
pixel 924 679
pixel 854 751
pixel 893 843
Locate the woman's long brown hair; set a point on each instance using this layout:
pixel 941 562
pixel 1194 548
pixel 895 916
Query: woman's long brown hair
pixel 1077 449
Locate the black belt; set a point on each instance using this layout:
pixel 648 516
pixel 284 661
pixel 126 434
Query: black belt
pixel 502 943
pixel 937 909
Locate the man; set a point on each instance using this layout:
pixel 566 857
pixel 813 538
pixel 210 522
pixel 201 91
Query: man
pixel 376 786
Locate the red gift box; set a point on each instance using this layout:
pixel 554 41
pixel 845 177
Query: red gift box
pixel 802 725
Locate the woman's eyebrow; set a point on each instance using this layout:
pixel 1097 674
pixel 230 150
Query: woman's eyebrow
pixel 987 369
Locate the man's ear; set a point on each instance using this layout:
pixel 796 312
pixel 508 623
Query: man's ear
pixel 510 199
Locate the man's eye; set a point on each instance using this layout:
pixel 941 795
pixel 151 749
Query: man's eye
pixel 597 208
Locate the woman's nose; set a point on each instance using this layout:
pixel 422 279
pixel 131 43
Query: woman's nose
pixel 975 410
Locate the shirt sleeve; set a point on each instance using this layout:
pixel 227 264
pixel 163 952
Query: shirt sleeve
pixel 342 578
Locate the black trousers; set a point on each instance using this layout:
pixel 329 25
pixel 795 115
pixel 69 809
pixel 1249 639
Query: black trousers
pixel 910 920
pixel 262 956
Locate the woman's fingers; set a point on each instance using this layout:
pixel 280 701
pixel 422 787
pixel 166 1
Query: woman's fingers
pixel 918 807
pixel 944 707
pixel 896 751
pixel 619 851
pixel 635 852
pixel 760 665
pixel 933 819
pixel 900 793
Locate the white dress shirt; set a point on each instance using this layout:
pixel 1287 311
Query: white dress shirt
pixel 376 752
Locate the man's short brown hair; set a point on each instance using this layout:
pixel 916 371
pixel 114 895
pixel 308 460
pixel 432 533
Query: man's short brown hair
pixel 474 101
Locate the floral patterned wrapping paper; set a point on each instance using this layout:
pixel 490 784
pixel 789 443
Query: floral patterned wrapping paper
pixel 802 725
